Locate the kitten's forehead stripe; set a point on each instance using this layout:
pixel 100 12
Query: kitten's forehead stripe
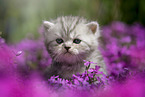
pixel 69 24
pixel 76 23
pixel 63 26
pixel 68 33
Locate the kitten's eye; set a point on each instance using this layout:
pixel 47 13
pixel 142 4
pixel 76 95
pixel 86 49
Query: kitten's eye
pixel 77 41
pixel 59 40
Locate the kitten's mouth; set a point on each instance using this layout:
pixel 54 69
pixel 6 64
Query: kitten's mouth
pixel 68 57
pixel 68 54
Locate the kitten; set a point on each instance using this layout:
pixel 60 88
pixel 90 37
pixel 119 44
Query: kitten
pixel 70 40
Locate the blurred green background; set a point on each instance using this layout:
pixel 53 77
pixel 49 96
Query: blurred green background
pixel 23 18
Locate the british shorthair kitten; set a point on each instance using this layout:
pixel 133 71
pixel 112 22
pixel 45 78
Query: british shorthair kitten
pixel 71 40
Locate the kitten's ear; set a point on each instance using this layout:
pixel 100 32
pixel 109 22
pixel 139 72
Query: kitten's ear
pixel 47 24
pixel 94 27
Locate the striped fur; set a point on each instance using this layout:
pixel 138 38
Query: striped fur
pixel 69 28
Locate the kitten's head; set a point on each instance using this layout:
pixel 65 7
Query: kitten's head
pixel 70 39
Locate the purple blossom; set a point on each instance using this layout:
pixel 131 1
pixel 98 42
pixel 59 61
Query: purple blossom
pixel 122 47
pixel 118 49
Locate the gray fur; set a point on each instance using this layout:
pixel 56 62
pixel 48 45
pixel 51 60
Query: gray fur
pixel 68 28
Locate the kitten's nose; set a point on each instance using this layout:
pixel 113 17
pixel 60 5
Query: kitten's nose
pixel 67 48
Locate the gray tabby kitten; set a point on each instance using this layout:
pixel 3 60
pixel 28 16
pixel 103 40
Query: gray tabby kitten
pixel 70 40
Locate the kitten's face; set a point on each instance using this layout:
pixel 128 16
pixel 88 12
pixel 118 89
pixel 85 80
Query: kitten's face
pixel 68 40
